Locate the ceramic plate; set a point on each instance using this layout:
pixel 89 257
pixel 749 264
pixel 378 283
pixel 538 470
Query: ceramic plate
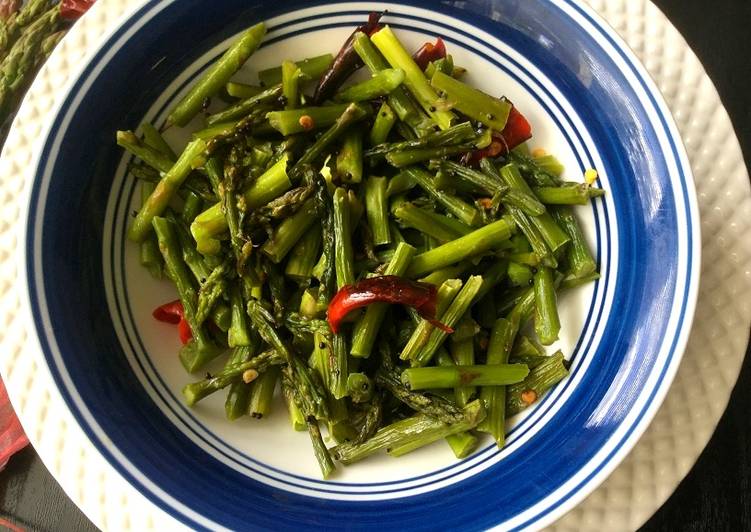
pixel 534 426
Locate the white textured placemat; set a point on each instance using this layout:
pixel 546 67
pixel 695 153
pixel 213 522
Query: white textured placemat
pixel 664 454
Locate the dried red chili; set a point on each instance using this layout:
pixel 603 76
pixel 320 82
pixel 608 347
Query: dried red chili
pixel 74 9
pixel 346 61
pixel 183 330
pixel 384 289
pixel 174 313
pixel 171 312
pixel 430 52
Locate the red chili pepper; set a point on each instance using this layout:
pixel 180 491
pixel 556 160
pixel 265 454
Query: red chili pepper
pixel 183 330
pixel 174 313
pixel 73 9
pixel 429 52
pixel 346 62
pixel 171 312
pixel 517 130
pixel 384 289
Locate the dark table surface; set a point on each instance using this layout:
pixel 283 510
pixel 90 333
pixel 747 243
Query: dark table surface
pixel 716 494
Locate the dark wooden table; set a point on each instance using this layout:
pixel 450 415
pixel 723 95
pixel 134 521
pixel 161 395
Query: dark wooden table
pixel 716 495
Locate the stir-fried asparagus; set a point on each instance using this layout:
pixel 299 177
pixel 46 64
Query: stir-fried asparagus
pixel 295 234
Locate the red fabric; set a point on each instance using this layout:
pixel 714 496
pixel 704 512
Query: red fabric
pixel 12 436
pixel 74 9
pixel 8 7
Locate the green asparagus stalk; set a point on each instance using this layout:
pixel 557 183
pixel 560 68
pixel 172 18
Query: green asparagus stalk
pixel 304 255
pixel 547 322
pixel 151 156
pixel 384 121
pixel 154 139
pixel 263 323
pixel 150 256
pixel 459 134
pixel 474 412
pixel 342 234
pixel 239 333
pixel 243 108
pixel 463 443
pixel 349 161
pixel 319 448
pixel 212 222
pixel 310 68
pixel 401 159
pixel 438 277
pixel 534 172
pixel 262 392
pixel 351 115
pixel 377 210
pixel 359 387
pixel 202 350
pixel 444 64
pixel 494 397
pixel 463 354
pixel 366 328
pixel 414 432
pixel 289 232
pixel 296 417
pixel 458 307
pixel 217 76
pixel 553 235
pixel 451 377
pixel 428 404
pixel 472 102
pixel 475 243
pixel 456 206
pixel 550 164
pixel 27 13
pixel 380 84
pixel 339 366
pixel 421 335
pixel 533 236
pixel 519 274
pixel 567 194
pixel 196 391
pixel 165 189
pixel 210 292
pixel 415 80
pixel 291 84
pixel 192 207
pixel 304 119
pixel 574 282
pixel 238 394
pixel 243 91
pixel 435 225
pixel 26 54
pixel 580 260
pixel 540 379
pixel 399 100
pixel 525 346
pixel 310 400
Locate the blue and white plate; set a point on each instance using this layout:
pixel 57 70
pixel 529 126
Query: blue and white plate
pixel 589 101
